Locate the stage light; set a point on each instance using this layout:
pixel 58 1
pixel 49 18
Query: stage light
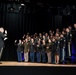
pixel 22 4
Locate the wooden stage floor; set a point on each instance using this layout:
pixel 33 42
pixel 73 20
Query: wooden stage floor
pixel 13 63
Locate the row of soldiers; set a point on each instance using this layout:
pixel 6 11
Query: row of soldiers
pixel 51 48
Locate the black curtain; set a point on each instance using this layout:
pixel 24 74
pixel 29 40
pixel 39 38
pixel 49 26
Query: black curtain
pixel 30 18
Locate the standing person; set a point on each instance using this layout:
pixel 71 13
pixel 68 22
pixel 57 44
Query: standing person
pixel 50 33
pixel 74 36
pixel 48 50
pixel 38 51
pixel 62 48
pixel 74 26
pixel 32 50
pixel 46 37
pixel 40 36
pixel 43 51
pixel 57 53
pixel 68 37
pixel 19 50
pixel 2 38
pixel 26 50
pixel 70 28
pixel 57 31
pixel 35 45
pixel 53 50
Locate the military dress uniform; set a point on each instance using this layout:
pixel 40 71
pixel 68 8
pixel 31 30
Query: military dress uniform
pixel 48 50
pixel 43 53
pixel 26 51
pixel 32 53
pixel 38 53
pixel 53 51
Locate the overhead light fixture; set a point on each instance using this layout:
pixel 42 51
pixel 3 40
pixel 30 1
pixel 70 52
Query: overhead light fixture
pixel 22 4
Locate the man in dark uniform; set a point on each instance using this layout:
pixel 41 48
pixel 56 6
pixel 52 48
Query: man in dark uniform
pixel 62 48
pixel 40 36
pixel 38 51
pixel 74 44
pixel 2 38
pixel 32 50
pixel 19 49
pixel 35 44
pixel 26 50
pixel 74 36
pixel 68 37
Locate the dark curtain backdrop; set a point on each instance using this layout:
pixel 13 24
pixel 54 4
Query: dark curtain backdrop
pixel 31 18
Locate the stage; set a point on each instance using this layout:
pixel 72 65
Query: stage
pixel 14 63
pixel 28 68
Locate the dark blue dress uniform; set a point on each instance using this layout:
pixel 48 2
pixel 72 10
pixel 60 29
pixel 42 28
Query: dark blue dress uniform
pixel 38 53
pixel 74 41
pixel 19 52
pixel 68 38
pixel 62 49
pixel 32 53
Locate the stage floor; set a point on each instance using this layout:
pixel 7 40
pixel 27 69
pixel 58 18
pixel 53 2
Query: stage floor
pixel 9 63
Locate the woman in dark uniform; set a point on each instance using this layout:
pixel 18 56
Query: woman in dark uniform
pixel 57 53
pixel 48 50
pixel 53 49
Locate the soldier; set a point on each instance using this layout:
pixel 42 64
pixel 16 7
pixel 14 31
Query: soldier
pixel 43 51
pixel 57 31
pixel 40 36
pixel 38 51
pixel 46 37
pixel 57 53
pixel 48 50
pixel 53 50
pixel 62 48
pixel 26 50
pixel 74 36
pixel 19 50
pixel 68 37
pixel 32 50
